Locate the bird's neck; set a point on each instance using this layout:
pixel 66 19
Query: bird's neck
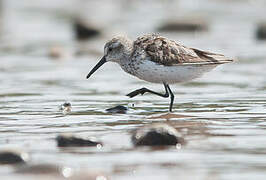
pixel 128 50
pixel 125 62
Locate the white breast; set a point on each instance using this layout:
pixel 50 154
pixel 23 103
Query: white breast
pixel 155 73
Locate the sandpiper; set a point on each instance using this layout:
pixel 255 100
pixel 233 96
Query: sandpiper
pixel 156 59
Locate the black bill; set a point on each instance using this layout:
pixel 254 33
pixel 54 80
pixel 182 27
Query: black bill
pixel 97 66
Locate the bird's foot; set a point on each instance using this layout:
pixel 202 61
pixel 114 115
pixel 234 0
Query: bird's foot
pixel 137 92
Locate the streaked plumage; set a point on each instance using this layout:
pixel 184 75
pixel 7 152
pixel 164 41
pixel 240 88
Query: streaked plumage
pixel 167 52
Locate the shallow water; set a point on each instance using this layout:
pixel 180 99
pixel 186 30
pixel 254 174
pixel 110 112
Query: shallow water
pixel 221 115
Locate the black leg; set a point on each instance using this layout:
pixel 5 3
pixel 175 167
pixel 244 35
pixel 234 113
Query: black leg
pixel 172 98
pixel 144 90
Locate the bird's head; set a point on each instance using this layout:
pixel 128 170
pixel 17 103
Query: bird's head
pixel 115 50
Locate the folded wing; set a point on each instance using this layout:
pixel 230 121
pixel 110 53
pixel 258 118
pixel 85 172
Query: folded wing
pixel 167 52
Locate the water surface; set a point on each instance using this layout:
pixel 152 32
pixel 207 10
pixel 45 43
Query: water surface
pixel 221 115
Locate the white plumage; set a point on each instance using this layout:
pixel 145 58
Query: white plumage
pixel 156 73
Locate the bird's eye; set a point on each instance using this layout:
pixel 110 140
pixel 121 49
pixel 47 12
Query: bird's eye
pixel 110 49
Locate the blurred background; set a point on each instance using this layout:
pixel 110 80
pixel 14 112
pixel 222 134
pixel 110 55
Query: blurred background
pixel 34 27
pixel 47 47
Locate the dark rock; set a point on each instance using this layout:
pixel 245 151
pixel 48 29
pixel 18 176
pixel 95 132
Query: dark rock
pixel 13 157
pixel 72 141
pixel 84 30
pixel 67 104
pixel 117 109
pixel 156 135
pixel 261 31
pixel 185 25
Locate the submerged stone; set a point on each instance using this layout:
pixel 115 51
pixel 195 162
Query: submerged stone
pixel 261 31
pixel 59 172
pixel 13 157
pixel 84 30
pixel 184 25
pixel 118 109
pixel 68 140
pixel 156 135
pixel 38 169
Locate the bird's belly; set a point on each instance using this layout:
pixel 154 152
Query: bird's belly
pixel 155 73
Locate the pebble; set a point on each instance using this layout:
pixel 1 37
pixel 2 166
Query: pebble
pixel 13 157
pixel 69 140
pixel 56 52
pixel 160 134
pixel 65 108
pixel 118 109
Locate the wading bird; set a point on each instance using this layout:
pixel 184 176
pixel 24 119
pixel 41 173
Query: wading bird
pixel 156 59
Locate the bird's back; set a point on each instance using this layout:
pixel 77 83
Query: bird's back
pixel 167 52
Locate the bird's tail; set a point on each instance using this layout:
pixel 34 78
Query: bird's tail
pixel 213 57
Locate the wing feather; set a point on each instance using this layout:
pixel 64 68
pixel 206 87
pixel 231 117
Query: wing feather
pixel 167 52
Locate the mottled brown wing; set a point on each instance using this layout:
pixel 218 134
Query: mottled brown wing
pixel 167 52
